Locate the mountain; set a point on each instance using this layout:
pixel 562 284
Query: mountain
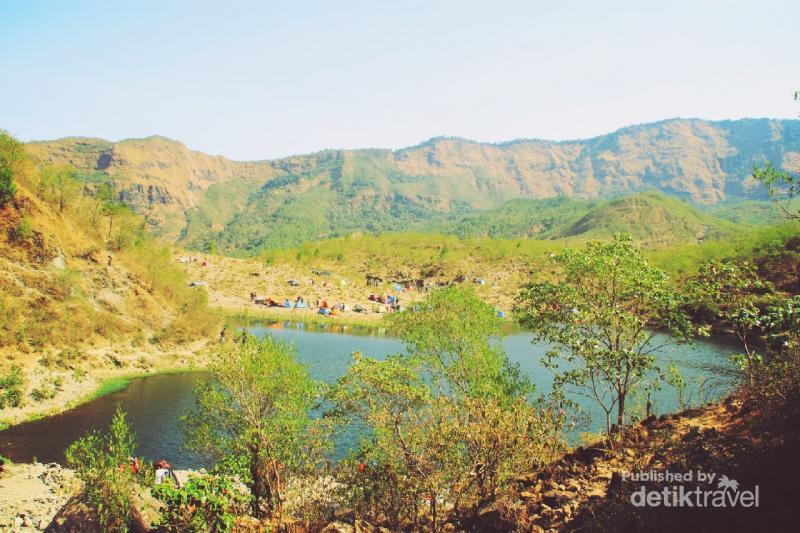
pixel 201 200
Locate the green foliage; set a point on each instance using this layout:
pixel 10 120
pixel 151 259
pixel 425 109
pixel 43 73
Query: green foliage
pixel 59 185
pixel 521 217
pixel 24 231
pixel 783 188
pixel 456 336
pixel 12 386
pixel 735 294
pixel 602 314
pixel 48 389
pixel 205 503
pixel 449 422
pixel 253 419
pixel 12 154
pixel 101 462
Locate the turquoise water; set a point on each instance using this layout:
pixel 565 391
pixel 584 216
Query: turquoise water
pixel 155 404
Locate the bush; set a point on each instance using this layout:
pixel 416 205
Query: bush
pixel 24 231
pixel 207 503
pixel 101 462
pixel 12 157
pixel 7 187
pixel 11 388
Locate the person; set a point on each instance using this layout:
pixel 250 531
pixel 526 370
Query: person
pixel 222 336
pixel 163 472
pixel 136 465
pixel 287 304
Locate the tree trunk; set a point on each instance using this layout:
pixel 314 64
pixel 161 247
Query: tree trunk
pixel 255 489
pixel 621 412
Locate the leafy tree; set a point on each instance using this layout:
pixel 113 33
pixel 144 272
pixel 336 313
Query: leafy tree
pixel 101 462
pixel 602 314
pixel 735 294
pixel 449 421
pixel 12 155
pixel 59 185
pixel 783 187
pixel 253 419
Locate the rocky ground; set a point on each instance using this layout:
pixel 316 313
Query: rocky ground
pixel 588 489
pixel 31 494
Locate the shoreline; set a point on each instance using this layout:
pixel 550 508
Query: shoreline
pixel 100 383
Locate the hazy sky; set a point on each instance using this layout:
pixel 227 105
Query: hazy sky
pixel 253 80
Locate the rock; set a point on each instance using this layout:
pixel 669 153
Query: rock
pixel 527 495
pixel 557 497
pixel 603 473
pixel 596 492
pixel 338 527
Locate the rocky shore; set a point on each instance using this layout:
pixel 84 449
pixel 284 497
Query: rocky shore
pixel 32 494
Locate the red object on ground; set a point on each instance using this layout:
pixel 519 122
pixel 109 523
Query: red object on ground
pixel 161 463
pixel 361 467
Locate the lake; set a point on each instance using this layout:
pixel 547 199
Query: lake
pixel 155 403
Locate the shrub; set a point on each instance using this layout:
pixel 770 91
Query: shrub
pixel 207 503
pixel 11 388
pixel 24 231
pixel 101 462
pixel 7 187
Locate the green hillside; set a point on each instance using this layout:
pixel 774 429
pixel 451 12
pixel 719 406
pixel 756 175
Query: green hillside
pixel 652 218
pixel 522 217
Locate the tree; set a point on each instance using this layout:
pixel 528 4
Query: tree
pixel 59 185
pixel 12 156
pixel 450 421
pixel 602 314
pixel 253 419
pixel 101 462
pixel 735 294
pixel 783 187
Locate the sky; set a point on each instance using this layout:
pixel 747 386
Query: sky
pixel 257 80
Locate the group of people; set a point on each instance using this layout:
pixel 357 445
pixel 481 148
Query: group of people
pixel 388 302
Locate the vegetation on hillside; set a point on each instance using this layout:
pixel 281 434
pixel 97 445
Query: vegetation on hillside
pixel 75 261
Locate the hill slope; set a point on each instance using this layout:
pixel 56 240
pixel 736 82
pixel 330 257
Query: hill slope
pixel 653 219
pixel 198 199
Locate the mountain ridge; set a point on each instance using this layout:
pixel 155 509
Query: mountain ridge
pixel 199 199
